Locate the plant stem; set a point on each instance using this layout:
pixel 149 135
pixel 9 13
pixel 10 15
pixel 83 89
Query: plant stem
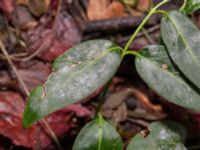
pixel 101 97
pixel 21 81
pixel 131 52
pixel 8 58
pixel 143 23
pixel 183 6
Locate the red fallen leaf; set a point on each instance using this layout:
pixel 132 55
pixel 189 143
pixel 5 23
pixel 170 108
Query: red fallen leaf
pixel 78 110
pixel 7 7
pixel 33 73
pixel 4 78
pixel 1 148
pixel 53 35
pixel 11 110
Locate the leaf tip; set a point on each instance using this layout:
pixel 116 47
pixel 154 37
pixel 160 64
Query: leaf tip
pixel 31 112
pixel 29 117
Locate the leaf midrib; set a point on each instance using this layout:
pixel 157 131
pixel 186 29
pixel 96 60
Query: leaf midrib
pixel 166 71
pixel 185 42
pixel 90 63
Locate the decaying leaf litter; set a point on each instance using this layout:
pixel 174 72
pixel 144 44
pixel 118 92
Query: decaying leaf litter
pixel 35 33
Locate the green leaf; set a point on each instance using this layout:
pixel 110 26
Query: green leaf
pixel 78 73
pixel 191 6
pixel 158 72
pixel 164 135
pixel 181 38
pixel 98 135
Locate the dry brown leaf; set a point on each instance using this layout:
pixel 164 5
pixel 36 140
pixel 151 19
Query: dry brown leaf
pixel 96 9
pixel 24 2
pixel 143 5
pixel 115 9
pixel 103 9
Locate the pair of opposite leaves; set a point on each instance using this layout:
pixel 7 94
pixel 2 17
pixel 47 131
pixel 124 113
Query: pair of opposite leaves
pixel 88 66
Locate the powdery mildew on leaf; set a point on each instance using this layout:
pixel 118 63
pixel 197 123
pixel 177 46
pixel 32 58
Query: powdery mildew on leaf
pixel 98 136
pixel 166 82
pixel 75 79
pixel 181 38
pixel 164 135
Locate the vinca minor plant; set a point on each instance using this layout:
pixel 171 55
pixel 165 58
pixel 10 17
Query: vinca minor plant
pixel 90 65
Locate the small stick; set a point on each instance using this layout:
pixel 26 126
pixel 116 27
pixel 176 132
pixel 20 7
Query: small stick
pixel 148 36
pixel 8 58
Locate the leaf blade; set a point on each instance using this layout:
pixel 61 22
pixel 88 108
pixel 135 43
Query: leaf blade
pixel 163 135
pixel 191 6
pixel 167 82
pixel 74 80
pixel 181 38
pixel 99 135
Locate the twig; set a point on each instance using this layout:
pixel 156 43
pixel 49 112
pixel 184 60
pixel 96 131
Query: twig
pixel 117 24
pixel 148 36
pixel 44 44
pixel 51 132
pixel 13 67
pixel 101 97
pixel 140 34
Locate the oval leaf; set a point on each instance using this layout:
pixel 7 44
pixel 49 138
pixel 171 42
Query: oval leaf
pixel 79 72
pixel 98 135
pixel 182 37
pixel 158 72
pixel 164 135
pixel 191 6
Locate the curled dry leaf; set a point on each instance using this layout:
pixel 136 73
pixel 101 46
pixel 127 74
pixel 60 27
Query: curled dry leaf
pixel 116 109
pixel 11 109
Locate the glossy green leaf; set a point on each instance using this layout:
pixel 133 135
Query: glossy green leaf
pixel 164 135
pixel 158 72
pixel 98 135
pixel 191 6
pixel 181 38
pixel 78 73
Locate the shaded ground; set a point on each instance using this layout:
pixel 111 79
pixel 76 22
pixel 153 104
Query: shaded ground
pixel 33 34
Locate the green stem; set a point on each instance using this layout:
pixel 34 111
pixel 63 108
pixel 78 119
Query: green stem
pixel 101 97
pixel 162 12
pixel 131 52
pixel 100 123
pixel 183 6
pixel 143 23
